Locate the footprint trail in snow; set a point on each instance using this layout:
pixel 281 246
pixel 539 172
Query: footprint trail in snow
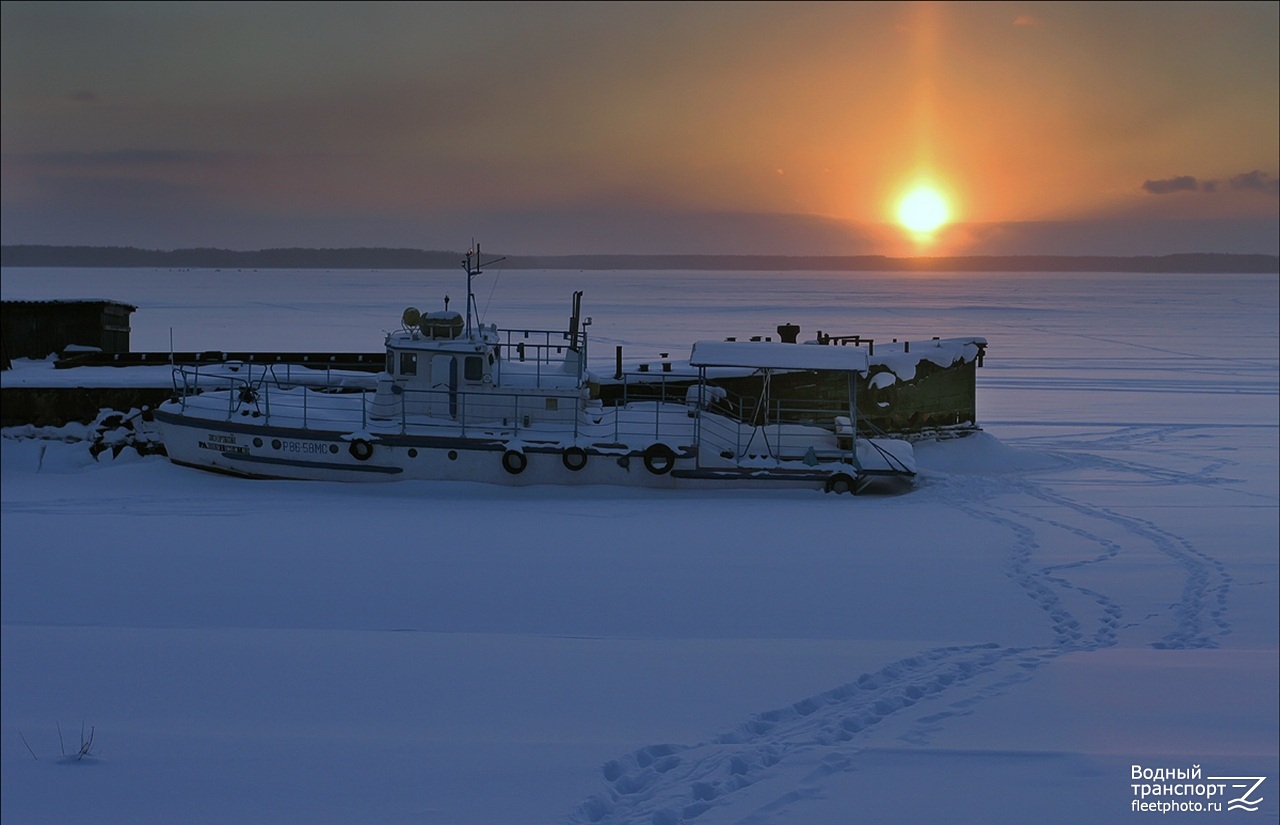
pixel 913 698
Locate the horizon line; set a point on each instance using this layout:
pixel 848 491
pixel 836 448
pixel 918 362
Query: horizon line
pixel 298 257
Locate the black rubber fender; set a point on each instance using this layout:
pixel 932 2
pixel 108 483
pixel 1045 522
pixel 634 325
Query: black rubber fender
pixel 574 458
pixel 361 450
pixel 659 459
pixel 840 483
pixel 514 462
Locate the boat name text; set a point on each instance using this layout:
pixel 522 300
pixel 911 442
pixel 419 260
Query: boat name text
pixel 223 444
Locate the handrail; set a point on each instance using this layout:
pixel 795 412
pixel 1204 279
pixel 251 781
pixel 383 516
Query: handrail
pixel 731 426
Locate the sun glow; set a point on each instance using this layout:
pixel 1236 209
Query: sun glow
pixel 923 209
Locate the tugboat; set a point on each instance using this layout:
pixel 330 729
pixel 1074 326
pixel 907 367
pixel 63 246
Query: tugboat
pixel 460 400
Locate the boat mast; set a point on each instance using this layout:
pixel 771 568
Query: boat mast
pixel 471 273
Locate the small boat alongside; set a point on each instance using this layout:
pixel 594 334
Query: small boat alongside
pixel 460 400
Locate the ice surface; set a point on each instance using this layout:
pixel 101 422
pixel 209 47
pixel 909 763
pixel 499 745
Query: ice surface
pixel 1089 584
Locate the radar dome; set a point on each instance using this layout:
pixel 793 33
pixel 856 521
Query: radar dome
pixel 411 317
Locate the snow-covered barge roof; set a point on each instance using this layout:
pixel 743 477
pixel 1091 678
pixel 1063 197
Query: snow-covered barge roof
pixel 769 355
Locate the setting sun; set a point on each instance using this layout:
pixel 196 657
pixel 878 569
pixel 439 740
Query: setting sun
pixel 923 209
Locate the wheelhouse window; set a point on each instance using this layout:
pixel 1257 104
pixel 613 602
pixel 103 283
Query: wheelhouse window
pixel 408 363
pixel 473 368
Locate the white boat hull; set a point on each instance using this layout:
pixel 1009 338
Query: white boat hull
pixel 266 452
pixel 253 450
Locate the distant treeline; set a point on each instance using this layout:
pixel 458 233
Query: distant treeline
pixel 380 258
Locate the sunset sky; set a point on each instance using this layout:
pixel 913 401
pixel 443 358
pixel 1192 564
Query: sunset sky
pixel 549 128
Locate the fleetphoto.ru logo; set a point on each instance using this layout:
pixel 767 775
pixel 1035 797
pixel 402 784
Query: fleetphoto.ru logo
pixel 1172 790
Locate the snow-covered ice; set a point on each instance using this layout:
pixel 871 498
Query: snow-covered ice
pixel 1088 585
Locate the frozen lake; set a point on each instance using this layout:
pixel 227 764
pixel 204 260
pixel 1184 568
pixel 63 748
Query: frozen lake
pixel 1089 585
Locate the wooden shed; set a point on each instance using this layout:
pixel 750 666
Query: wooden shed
pixel 37 329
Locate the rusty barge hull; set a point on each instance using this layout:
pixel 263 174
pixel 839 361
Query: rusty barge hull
pixel 932 392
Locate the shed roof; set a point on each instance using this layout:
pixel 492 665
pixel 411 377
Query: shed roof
pixel 72 302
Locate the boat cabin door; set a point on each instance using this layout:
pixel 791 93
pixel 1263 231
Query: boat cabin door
pixel 444 386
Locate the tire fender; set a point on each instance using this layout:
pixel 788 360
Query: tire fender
pixel 659 459
pixel 514 462
pixel 840 483
pixel 574 458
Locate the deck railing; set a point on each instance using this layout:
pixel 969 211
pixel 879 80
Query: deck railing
pixel 724 425
pixel 544 348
